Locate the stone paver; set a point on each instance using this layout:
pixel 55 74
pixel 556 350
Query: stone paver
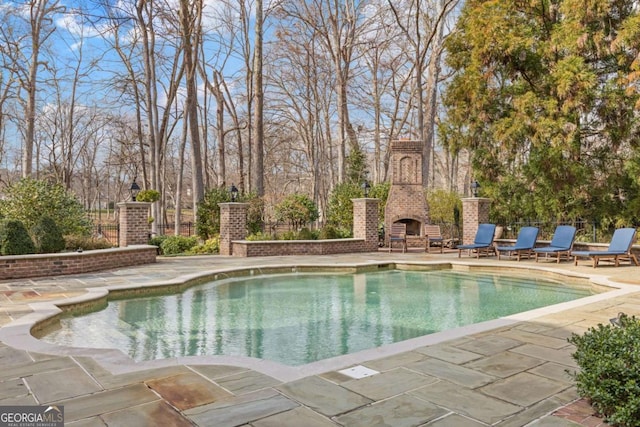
pixel 490 344
pixel 399 411
pixel 523 389
pixel 57 385
pixel 150 414
pixel 296 417
pixel 185 391
pixel 247 381
pixel 464 401
pixel 458 374
pixel 449 353
pixel 322 396
pixel 241 410
pixel 12 388
pixel 561 356
pixel 511 376
pixel 504 364
pixel 455 420
pixel 388 384
pixel 107 401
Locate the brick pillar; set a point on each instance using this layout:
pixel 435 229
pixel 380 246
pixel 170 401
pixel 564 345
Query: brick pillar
pixel 365 221
pixel 475 211
pixel 134 223
pixel 233 225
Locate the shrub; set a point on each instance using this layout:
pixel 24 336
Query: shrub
pixel 260 236
pixel 443 205
pixel 157 241
pixel 47 236
pixel 288 235
pixel 340 206
pixel 15 239
pixel 148 196
pixel 297 210
pixel 609 361
pixel 74 242
pixel 306 234
pixel 174 245
pixel 208 221
pixel 211 246
pixel 28 199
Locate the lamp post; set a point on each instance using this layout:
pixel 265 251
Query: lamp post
pixel 365 188
pixel 475 186
pixel 234 193
pixel 134 190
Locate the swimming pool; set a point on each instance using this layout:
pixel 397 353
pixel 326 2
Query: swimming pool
pixel 299 318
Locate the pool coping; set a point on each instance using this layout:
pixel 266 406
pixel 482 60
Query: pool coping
pixel 18 333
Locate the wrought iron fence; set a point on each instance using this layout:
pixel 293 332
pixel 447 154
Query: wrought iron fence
pixel 111 232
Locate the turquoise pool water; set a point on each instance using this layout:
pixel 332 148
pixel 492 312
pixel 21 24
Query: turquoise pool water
pixel 300 318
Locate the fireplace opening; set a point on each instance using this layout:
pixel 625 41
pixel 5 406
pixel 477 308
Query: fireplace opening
pixel 413 226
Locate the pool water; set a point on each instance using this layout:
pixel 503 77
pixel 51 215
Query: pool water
pixel 296 319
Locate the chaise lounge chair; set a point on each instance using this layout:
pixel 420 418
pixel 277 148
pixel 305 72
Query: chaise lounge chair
pixel 561 243
pixel 524 245
pixel 483 241
pixel 620 247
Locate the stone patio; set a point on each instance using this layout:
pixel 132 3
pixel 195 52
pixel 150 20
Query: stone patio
pixel 514 374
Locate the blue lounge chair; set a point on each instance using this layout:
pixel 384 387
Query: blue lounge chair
pixel 561 243
pixel 620 247
pixel 483 241
pixel 524 245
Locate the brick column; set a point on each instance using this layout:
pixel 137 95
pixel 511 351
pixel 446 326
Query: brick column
pixel 233 225
pixel 365 221
pixel 134 223
pixel 475 211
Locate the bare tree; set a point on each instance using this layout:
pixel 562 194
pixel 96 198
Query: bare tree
pixel 26 34
pixel 421 28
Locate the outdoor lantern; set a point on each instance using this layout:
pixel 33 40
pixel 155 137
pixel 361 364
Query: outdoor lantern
pixel 365 187
pixel 234 193
pixel 474 188
pixel 134 190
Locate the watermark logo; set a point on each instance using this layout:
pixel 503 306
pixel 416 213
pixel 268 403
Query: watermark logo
pixel 32 416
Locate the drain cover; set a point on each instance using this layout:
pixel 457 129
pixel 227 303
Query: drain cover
pixel 358 372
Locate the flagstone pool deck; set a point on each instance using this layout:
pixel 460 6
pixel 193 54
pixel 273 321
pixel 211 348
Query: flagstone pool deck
pixel 512 374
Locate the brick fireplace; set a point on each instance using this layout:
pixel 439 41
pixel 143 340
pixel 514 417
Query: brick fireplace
pixel 406 201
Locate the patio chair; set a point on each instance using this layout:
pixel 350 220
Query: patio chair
pixel 620 247
pixel 524 245
pixel 561 243
pixel 398 234
pixel 432 233
pixel 483 241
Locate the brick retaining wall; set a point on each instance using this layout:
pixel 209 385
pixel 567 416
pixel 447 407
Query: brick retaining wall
pixel 246 248
pixel 23 266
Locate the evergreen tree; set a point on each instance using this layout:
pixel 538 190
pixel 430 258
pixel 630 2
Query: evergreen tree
pixel 543 96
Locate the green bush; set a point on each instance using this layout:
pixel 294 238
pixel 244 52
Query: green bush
pixel 148 196
pixel 609 376
pixel 260 236
pixel 211 246
pixel 47 236
pixel 288 235
pixel 174 245
pixel 297 210
pixel 306 234
pixel 74 242
pixel 28 199
pixel 15 239
pixel 340 206
pixel 208 221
